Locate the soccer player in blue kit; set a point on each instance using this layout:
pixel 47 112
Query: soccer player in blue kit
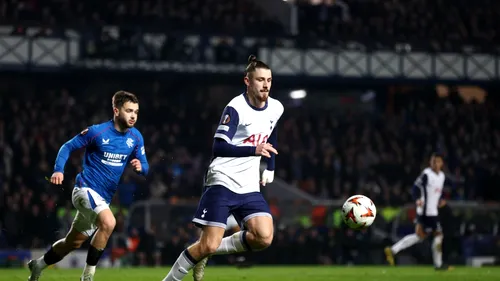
pixel 109 147
pixel 246 131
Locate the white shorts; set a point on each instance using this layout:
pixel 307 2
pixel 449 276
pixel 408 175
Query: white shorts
pixel 88 204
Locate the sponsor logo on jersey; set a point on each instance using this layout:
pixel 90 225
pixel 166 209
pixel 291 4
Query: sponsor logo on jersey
pixel 113 159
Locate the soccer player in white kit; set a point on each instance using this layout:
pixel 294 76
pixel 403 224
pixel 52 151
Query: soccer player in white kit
pixel 427 192
pixel 247 131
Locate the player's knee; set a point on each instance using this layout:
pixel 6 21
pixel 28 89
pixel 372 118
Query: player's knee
pixel 209 246
pixel 107 224
pixel 263 239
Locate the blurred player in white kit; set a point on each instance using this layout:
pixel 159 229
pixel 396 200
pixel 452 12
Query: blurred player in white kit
pixel 427 192
pixel 247 131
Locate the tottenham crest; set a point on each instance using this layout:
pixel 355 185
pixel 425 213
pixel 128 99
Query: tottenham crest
pixel 130 142
pixel 226 119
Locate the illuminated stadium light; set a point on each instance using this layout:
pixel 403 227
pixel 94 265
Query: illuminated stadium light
pixel 298 94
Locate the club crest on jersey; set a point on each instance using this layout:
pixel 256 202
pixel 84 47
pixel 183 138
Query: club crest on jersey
pixel 130 142
pixel 226 119
pixel 84 132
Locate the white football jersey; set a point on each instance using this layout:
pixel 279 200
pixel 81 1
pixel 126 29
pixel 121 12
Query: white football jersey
pixel 243 125
pixel 431 188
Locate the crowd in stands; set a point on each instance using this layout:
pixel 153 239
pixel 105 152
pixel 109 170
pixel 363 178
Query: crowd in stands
pixel 442 25
pixel 240 16
pixel 439 25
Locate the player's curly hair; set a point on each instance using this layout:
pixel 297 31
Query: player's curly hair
pixel 254 64
pixel 121 97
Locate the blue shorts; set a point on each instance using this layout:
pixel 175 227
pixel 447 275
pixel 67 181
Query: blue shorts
pixel 429 223
pixel 218 202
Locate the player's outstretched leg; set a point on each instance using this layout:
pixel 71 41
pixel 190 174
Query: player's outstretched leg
pixel 235 243
pixel 258 237
pixel 56 253
pixel 105 225
pixel 208 243
pixel 406 242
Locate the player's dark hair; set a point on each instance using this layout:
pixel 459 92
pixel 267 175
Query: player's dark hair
pixel 437 154
pixel 121 97
pixel 254 64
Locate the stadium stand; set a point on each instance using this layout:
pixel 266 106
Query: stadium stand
pixel 174 15
pixel 440 25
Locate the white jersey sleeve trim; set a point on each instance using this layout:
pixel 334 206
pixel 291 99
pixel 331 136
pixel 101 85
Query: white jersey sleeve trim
pixel 222 136
pixel 223 128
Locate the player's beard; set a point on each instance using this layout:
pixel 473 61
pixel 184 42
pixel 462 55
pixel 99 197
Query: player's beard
pixel 123 122
pixel 260 96
pixel 263 96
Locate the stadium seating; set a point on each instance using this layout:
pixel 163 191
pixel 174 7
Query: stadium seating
pixel 441 25
pixel 179 15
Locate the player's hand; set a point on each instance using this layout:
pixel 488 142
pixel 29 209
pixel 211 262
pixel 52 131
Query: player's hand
pixel 267 177
pixel 265 149
pixel 419 203
pixel 57 178
pixel 137 165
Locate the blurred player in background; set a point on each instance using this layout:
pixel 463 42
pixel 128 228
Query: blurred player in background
pixel 427 192
pixel 247 131
pixel 109 147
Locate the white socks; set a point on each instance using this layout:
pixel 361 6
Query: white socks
pixel 437 252
pixel 412 239
pixel 231 244
pixel 406 242
pixel 181 267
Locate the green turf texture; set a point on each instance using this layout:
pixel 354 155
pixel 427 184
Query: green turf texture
pixel 318 273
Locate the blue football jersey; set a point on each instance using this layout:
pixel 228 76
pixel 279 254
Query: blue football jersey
pixel 107 152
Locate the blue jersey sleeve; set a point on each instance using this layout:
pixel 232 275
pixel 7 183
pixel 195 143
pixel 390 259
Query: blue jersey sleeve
pixel 83 139
pixel 273 139
pixel 228 124
pixel 140 154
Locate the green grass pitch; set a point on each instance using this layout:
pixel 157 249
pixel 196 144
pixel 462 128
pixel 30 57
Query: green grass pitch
pixel 271 273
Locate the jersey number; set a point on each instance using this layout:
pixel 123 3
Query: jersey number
pixel 256 139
